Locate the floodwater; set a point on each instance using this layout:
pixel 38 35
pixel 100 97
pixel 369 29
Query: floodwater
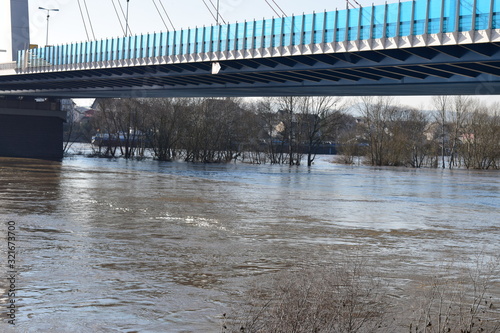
pixel 145 246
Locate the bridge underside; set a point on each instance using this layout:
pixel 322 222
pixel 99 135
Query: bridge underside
pixel 466 69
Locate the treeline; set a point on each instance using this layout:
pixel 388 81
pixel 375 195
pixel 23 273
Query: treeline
pixel 459 132
pixel 278 130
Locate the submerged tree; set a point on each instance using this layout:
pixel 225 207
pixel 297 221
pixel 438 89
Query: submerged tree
pixel 378 114
pixel 318 114
pixel 164 118
pixel 480 142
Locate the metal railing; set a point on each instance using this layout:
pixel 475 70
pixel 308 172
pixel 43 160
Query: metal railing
pixel 8 66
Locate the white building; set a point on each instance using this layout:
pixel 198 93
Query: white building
pixel 14 28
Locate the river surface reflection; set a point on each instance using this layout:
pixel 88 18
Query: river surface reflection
pixel 144 246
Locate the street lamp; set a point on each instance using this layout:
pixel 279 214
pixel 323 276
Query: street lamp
pixel 48 16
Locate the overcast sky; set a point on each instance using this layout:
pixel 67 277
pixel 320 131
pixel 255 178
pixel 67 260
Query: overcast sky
pixel 67 25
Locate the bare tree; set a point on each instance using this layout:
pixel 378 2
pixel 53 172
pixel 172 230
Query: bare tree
pixel 460 107
pixel 317 113
pixel 164 121
pixel 378 114
pixel 292 126
pixel 441 104
pixel 273 130
pixel 211 130
pixel 408 145
pixel 480 141
pixel 105 124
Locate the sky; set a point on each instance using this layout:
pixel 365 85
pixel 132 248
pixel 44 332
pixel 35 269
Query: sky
pixel 67 24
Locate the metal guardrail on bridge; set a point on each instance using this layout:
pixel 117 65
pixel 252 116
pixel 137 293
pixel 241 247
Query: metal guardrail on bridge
pixel 8 66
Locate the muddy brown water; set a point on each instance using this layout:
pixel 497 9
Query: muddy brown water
pixel 145 246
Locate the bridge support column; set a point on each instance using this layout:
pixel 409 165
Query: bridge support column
pixel 31 129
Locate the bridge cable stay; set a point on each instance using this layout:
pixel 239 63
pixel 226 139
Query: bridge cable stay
pixel 83 19
pixel 159 13
pixel 127 25
pixel 166 14
pixel 364 14
pixel 287 18
pixel 274 10
pixel 217 12
pixel 118 16
pixel 90 20
pixel 284 14
pixel 211 13
pixel 349 3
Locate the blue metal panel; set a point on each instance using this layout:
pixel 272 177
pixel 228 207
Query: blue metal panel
pixel 258 31
pixel 249 26
pixel 240 36
pixel 308 21
pixel 287 30
pixel 266 33
pixel 365 23
pixel 449 20
pixel 496 14
pixel 392 20
pixel 465 21
pixel 298 24
pixel 132 47
pixel 170 43
pixel 277 32
pixel 319 25
pixel 354 23
pixel 405 18
pixel 434 24
pixel 230 37
pixel 378 21
pixel 157 44
pixel 178 36
pixel 419 17
pixel 76 54
pixel 184 49
pixel 482 14
pixel 340 25
pixel 329 26
pixel 199 40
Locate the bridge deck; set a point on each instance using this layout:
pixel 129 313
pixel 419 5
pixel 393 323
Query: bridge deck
pixel 402 19
pixel 439 46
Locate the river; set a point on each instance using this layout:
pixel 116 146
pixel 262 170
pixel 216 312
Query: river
pixel 147 246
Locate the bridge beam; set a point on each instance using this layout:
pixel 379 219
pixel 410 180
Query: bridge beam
pixel 31 129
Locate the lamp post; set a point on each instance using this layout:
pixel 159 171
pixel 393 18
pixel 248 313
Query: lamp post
pixel 48 16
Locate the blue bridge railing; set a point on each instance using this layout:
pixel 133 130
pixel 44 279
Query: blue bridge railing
pixel 389 20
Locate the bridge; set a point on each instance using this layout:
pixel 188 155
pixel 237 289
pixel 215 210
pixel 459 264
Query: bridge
pixel 422 47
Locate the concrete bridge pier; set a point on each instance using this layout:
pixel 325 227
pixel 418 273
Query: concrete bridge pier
pixel 31 128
